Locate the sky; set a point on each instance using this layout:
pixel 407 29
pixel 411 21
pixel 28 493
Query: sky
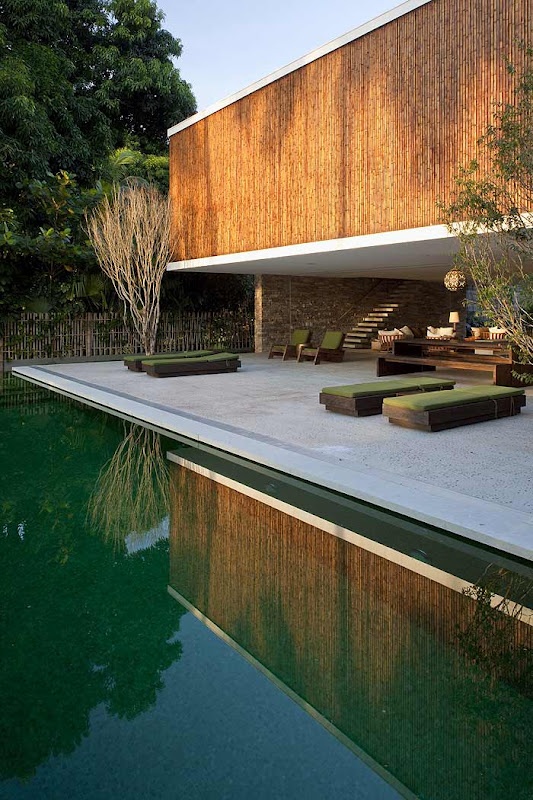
pixel 229 45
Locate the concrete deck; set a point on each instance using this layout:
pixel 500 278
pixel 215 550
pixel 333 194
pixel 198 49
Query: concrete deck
pixel 476 481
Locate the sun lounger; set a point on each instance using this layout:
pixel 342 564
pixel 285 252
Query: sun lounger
pixel 365 399
pixel 202 365
pixel 438 411
pixel 134 362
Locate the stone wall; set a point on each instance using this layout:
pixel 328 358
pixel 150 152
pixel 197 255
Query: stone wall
pixel 430 303
pixel 283 303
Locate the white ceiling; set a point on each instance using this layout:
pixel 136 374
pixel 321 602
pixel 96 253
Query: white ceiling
pixel 420 253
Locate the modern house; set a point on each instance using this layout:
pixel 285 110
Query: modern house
pixel 323 179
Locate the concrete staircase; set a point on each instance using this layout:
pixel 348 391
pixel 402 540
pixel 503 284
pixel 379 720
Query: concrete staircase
pixel 385 311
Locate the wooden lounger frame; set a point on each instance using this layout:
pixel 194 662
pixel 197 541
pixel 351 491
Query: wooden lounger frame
pixel 183 366
pixel 368 405
pixel 135 364
pixel 318 354
pixel 440 419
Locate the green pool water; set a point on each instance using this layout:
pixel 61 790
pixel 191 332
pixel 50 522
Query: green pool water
pixel 110 687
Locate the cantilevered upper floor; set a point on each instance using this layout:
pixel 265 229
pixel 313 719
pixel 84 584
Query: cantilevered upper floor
pixel 335 164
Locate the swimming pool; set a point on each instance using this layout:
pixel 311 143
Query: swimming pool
pixel 298 661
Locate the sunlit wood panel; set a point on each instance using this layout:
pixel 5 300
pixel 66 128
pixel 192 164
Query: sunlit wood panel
pixel 363 140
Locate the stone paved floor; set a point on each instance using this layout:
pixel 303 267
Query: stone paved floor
pixel 279 400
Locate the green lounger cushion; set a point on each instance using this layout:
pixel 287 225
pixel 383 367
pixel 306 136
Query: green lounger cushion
pixel 222 357
pixel 200 360
pixel 177 354
pixel 433 400
pixel 300 336
pixel 379 387
pixel 332 340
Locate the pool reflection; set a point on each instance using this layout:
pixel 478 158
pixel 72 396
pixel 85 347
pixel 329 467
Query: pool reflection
pixel 434 684
pixel 130 500
pixel 82 624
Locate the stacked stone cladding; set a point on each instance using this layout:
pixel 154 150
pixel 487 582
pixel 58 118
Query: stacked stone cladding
pixel 283 303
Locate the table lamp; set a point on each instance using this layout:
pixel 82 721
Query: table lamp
pixel 454 319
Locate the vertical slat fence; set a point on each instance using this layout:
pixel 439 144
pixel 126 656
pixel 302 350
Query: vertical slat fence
pixel 42 337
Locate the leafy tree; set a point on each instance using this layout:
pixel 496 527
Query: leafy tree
pixel 78 78
pixel 495 197
pixel 50 115
pixel 45 250
pixel 82 77
pixel 125 163
pixel 138 79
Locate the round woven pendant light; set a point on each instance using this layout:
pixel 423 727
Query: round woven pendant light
pixel 455 280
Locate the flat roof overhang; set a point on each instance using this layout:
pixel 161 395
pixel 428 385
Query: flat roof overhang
pixel 357 33
pixel 417 253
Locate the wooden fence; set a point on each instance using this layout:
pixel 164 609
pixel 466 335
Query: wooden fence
pixel 43 337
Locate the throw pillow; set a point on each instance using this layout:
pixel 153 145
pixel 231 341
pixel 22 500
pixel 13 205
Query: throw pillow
pixel 407 332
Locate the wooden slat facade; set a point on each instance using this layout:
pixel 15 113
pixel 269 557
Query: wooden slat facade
pixel 363 140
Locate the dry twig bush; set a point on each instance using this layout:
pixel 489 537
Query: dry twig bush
pixel 131 235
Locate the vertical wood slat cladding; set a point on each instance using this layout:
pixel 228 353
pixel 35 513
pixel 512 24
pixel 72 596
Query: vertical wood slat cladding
pixel 363 140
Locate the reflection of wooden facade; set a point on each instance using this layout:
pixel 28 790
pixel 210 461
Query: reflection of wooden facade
pixel 371 645
pixel 362 140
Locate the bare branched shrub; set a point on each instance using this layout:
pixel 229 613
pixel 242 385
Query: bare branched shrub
pixel 130 232
pixel 504 287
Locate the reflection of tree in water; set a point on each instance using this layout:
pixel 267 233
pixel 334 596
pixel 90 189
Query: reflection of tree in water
pixel 131 495
pixel 495 639
pixel 81 625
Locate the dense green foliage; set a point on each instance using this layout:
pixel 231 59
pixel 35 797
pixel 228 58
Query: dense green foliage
pixel 84 624
pixel 45 253
pixel 138 81
pixel 81 78
pixel 88 89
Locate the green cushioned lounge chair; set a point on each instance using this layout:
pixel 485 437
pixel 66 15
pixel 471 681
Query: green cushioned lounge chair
pixel 437 411
pixel 365 399
pixel 299 337
pixel 134 362
pixel 201 365
pixel 330 349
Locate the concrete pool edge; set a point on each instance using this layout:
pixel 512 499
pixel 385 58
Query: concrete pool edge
pixel 477 520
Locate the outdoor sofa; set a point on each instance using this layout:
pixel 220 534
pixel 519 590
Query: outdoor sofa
pixel 438 411
pixel 200 365
pixel 365 399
